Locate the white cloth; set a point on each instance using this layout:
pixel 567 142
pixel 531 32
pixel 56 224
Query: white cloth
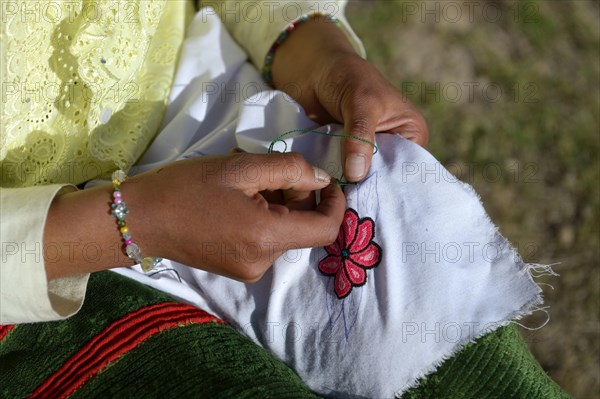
pixel 445 275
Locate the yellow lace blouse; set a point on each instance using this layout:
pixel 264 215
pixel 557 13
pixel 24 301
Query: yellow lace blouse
pixel 84 85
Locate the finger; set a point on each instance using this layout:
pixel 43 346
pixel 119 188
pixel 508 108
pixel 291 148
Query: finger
pixel 299 200
pixel 277 172
pixel 411 125
pixel 360 121
pixel 316 228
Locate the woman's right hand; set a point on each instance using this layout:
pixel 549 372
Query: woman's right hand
pixel 209 213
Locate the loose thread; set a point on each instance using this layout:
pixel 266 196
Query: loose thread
pixel 536 309
pixel 165 270
pixel 281 137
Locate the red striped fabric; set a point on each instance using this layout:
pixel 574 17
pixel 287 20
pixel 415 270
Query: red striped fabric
pixel 114 341
pixel 5 329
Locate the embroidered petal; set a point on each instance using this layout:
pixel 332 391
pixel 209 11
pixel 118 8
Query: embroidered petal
pixel 364 234
pixel 352 253
pixel 342 284
pixel 355 273
pixel 349 226
pixel 330 265
pixel 368 257
pixel 336 247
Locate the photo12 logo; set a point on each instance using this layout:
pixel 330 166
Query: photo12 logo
pixel 471 92
pixel 470 11
pixel 70 11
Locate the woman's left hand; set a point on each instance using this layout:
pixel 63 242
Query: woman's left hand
pixel 318 67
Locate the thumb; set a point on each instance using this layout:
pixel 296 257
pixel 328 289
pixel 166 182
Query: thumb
pixel 357 154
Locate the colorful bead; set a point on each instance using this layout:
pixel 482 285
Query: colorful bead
pixel 119 175
pixel 133 251
pixel 147 264
pixel 119 210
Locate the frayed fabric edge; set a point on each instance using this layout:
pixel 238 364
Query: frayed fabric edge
pixel 534 305
pixel 533 270
pixel 536 270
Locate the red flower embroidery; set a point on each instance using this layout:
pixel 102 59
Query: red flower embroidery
pixel 351 254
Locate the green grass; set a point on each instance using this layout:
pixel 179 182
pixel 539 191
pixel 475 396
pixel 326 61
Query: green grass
pixel 545 126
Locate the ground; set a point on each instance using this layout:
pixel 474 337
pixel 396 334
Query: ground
pixel 511 93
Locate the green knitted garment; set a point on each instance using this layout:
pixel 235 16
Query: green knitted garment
pixel 131 341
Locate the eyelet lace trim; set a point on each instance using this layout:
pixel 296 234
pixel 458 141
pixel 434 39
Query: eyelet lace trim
pixel 84 87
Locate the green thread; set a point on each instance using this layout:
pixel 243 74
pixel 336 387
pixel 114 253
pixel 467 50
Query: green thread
pixel 281 137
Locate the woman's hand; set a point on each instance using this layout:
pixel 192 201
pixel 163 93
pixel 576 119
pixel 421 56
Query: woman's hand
pixel 210 212
pixel 207 213
pixel 318 67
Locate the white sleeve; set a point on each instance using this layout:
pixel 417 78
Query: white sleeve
pixel 25 293
pixel 255 25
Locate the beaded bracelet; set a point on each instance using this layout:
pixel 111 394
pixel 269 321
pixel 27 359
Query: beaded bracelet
pixel 266 71
pixel 119 210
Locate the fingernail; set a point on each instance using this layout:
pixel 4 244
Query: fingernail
pixel 321 176
pixel 355 167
